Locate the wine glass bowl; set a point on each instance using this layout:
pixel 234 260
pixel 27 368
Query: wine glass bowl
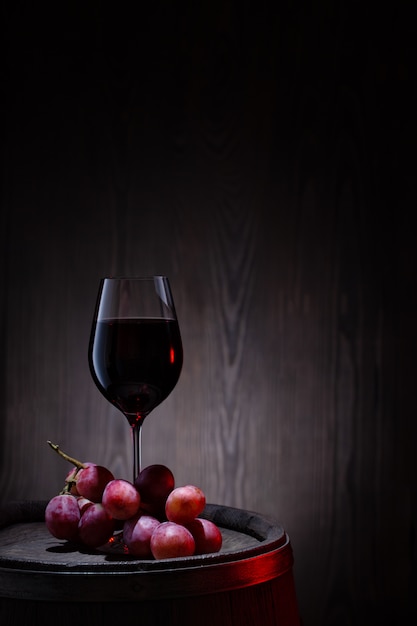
pixel 135 351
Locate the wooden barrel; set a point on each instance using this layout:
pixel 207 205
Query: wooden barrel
pixel 47 581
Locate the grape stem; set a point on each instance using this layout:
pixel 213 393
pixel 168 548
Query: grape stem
pixel 57 449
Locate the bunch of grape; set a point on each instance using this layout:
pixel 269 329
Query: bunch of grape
pixel 157 520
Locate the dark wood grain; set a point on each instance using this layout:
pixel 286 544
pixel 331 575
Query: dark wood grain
pixel 264 158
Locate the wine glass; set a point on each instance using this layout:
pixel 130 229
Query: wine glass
pixel 135 351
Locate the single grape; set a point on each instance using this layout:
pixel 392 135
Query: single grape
pixel 207 535
pixel 121 499
pixel 96 526
pixel 91 481
pixel 137 533
pixel 155 483
pixel 170 541
pixel 184 504
pixel 62 515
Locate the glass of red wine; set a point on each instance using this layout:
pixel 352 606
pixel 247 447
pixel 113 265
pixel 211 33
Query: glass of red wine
pixel 135 351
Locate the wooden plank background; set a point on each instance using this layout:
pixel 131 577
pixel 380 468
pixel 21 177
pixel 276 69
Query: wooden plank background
pixel 264 159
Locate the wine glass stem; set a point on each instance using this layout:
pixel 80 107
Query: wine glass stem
pixel 137 448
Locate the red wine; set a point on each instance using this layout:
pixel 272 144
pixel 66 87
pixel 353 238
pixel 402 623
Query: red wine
pixel 136 363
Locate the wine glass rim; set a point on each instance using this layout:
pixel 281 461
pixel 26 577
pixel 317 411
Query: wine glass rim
pixel 150 277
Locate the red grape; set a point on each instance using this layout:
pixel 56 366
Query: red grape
pixel 96 526
pixel 170 541
pixel 207 535
pixel 91 481
pixel 184 504
pixel 62 516
pixel 137 533
pixel 121 499
pixel 154 484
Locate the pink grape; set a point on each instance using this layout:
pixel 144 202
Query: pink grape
pixel 96 526
pixel 170 541
pixel 137 533
pixel 91 481
pixel 62 516
pixel 121 499
pixel 207 535
pixel 184 504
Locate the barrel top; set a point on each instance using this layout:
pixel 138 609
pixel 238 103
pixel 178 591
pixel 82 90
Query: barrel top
pixel 254 547
pixel 27 544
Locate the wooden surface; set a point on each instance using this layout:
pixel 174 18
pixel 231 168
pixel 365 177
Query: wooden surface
pixel 254 549
pixel 263 158
pixel 49 574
